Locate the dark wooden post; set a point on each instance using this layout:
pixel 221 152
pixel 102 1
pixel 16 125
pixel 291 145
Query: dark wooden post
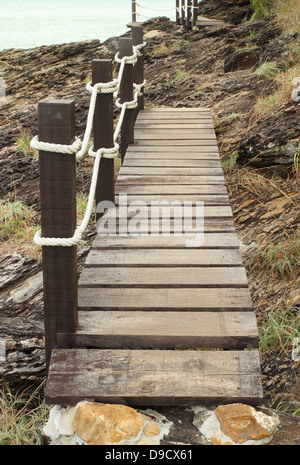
pixel 103 130
pixel 183 12
pixel 133 6
pixel 177 12
pixel 189 14
pixel 195 12
pixel 138 69
pixel 56 124
pixel 126 95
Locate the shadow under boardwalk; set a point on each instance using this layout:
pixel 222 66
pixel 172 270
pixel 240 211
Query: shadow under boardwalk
pixel 160 322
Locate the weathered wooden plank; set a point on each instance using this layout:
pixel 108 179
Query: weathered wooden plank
pixel 172 155
pixel 173 134
pixel 185 152
pixel 174 110
pixel 172 142
pixel 209 200
pixel 172 189
pixel 210 241
pixel 157 277
pixel 162 171
pixel 164 257
pixel 162 210
pixel 166 125
pixel 154 377
pixel 163 330
pixel 172 163
pixel 186 299
pixel 139 180
pixel 211 225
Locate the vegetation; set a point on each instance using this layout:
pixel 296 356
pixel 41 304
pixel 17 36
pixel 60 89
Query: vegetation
pixel 22 414
pixel 17 221
pixel 282 258
pixel 23 144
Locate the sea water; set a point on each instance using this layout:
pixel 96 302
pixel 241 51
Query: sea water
pixel 32 23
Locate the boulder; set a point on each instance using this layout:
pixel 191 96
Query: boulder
pixel 241 59
pixel 239 424
pixel 99 424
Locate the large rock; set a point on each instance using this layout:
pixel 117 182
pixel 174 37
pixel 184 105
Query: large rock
pixel 99 424
pixel 239 424
pixel 242 59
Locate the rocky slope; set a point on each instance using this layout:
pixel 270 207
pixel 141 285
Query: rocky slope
pixel 212 66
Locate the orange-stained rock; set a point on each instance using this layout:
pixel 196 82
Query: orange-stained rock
pixel 152 429
pixel 100 424
pixel 242 423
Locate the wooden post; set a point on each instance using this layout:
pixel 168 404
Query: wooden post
pixel 195 12
pixel 56 124
pixel 133 6
pixel 177 12
pixel 126 95
pixel 138 69
pixel 183 12
pixel 189 14
pixel 103 130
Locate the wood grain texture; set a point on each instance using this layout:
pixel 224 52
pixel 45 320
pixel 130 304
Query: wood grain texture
pixel 164 257
pixel 165 299
pixel 171 277
pixel 164 330
pixel 154 377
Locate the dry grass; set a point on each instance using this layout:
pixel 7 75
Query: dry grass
pixel 22 414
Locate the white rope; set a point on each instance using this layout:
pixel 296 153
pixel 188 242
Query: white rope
pixel 80 147
pixel 153 9
pixel 59 148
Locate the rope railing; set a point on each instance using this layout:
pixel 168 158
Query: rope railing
pixel 80 148
pixel 186 12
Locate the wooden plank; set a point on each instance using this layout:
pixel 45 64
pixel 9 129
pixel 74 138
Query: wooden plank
pixel 211 225
pixel 174 134
pixel 176 120
pixel 154 377
pixel 186 299
pixel 139 180
pixel 162 171
pixel 190 150
pixel 163 330
pixel 164 257
pixel 157 277
pixel 161 125
pixel 172 189
pixel 173 155
pixel 211 241
pixel 209 200
pixel 188 142
pixel 171 163
pixel 161 210
pixel 181 110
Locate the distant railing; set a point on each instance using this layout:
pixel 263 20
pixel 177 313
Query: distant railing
pixel 58 152
pixel 186 12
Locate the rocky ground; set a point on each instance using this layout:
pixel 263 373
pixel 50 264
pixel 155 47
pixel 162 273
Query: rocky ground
pixel 213 66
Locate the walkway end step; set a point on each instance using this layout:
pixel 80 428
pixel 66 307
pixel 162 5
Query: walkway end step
pixel 154 377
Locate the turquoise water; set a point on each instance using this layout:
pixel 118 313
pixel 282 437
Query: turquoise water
pixel 31 23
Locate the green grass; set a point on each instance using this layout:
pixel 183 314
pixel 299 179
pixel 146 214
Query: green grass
pixel 23 144
pixel 17 221
pixel 277 334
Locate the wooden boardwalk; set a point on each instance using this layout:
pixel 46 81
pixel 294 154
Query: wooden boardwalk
pixel 149 304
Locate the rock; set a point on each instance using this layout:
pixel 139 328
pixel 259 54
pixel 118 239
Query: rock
pixel 239 424
pixel 242 59
pixel 99 424
pixel 91 423
pixel 152 429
